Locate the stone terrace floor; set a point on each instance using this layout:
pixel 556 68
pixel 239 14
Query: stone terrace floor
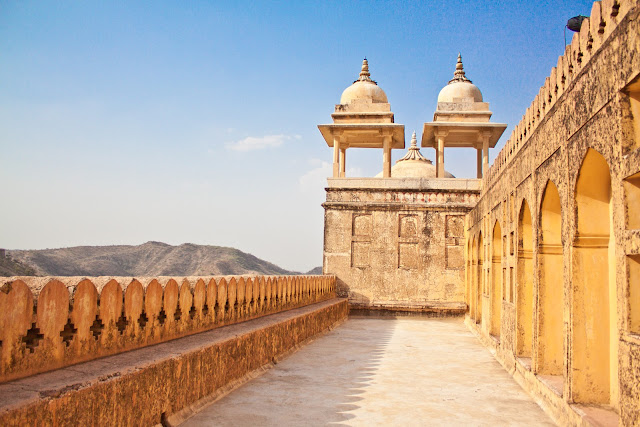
pixel 381 371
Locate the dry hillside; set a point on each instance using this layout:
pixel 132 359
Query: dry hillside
pixel 148 259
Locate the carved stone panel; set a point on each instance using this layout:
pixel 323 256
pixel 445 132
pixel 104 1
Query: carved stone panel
pixel 408 226
pixel 360 254
pixel 408 255
pixel 361 224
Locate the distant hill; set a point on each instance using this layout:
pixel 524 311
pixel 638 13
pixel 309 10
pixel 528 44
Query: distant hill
pixel 314 271
pixel 11 267
pixel 148 259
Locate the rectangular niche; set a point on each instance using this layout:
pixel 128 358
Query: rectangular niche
pixel 408 255
pixel 408 226
pixel 361 225
pixel 633 266
pixel 632 201
pixel 454 238
pixel 360 254
pixel 455 257
pixel 454 226
pixel 632 119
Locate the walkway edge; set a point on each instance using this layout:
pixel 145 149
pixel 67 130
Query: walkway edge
pixel 149 385
pixel 184 414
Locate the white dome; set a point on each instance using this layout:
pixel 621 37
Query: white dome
pixel 364 88
pixel 460 90
pixel 459 87
pixel 414 165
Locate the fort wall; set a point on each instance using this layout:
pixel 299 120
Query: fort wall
pixel 166 383
pixel 398 243
pixel 48 323
pixel 553 245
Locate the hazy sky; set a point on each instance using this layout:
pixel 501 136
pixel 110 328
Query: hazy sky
pixel 123 122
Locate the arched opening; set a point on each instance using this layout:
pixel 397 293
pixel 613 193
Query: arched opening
pixel 467 276
pixel 496 280
pixel 550 340
pixel 593 283
pixel 524 291
pixel 473 286
pixel 480 278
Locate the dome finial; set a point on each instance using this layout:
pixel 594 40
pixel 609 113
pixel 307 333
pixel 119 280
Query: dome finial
pixel 365 76
pixel 414 152
pixel 459 75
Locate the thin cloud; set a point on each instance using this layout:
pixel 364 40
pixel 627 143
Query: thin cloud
pixel 260 143
pixel 316 178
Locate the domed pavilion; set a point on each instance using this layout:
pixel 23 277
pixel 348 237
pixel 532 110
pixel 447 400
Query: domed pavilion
pixel 461 120
pixel 362 119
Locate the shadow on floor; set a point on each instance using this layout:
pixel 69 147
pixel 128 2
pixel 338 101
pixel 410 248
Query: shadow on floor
pixel 318 385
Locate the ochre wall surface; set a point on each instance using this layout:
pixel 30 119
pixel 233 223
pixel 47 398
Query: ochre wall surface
pixel 552 246
pixel 47 323
pixel 398 243
pixel 166 382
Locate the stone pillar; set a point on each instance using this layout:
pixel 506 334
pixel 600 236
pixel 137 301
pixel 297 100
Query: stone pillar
pixel 440 135
pixel 479 162
pixel 386 156
pixel 485 150
pixel 343 161
pixel 336 157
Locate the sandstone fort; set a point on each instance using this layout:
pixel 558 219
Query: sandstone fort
pixel 539 256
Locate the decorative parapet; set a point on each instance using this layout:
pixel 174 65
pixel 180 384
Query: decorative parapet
pixel 595 30
pixel 48 323
pixel 418 192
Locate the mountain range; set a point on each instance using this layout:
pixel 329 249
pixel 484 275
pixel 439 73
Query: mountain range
pixel 148 259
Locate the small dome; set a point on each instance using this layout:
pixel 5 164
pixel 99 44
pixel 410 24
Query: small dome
pixel 459 87
pixel 414 165
pixel 460 90
pixel 364 88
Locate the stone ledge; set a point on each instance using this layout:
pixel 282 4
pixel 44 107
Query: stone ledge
pixel 429 309
pixel 459 184
pixel 146 386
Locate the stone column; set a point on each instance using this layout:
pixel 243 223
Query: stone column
pixel 440 135
pixel 485 150
pixel 386 156
pixel 343 161
pixel 336 157
pixel 479 162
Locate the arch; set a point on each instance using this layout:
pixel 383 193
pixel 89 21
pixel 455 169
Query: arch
pixel 496 280
pixel 473 279
pixel 593 284
pixel 524 291
pixel 550 338
pixel 467 278
pixel 480 278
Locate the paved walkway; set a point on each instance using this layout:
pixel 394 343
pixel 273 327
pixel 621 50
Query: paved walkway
pixel 381 371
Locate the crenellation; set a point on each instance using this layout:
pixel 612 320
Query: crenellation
pixel 70 319
pixel 567 68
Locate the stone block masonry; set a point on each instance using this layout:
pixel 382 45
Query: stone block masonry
pixel 397 244
pixel 48 323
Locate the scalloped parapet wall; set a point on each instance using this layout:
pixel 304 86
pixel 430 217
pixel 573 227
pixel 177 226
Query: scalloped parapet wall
pixel 47 323
pixel 595 30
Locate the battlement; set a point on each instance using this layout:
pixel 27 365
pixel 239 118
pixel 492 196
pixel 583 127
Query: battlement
pixel 605 17
pixel 50 322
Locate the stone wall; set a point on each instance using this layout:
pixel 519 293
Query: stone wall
pixel 398 243
pixel 168 382
pixel 48 323
pixel 553 245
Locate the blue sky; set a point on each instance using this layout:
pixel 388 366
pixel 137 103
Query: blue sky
pixel 123 122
